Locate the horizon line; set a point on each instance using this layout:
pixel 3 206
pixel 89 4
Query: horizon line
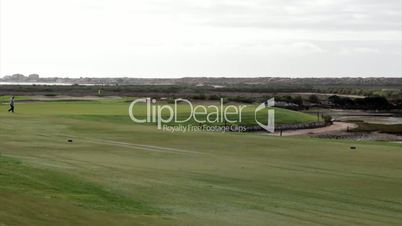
pixel 209 76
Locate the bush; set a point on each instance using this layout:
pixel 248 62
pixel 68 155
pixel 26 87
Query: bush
pixel 327 118
pixel 314 99
pixel 200 97
pixel 248 100
pixel 214 97
pixel 298 100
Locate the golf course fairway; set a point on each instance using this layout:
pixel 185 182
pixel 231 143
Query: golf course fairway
pixel 116 172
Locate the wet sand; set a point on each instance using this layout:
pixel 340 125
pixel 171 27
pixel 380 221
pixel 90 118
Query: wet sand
pixel 335 127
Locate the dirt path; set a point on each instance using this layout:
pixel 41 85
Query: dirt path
pixel 336 127
pixel 331 94
pixel 137 146
pixel 144 147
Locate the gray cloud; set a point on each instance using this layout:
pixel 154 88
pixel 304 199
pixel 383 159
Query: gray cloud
pixel 292 14
pixel 201 37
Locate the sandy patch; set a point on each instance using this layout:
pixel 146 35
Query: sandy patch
pixel 335 127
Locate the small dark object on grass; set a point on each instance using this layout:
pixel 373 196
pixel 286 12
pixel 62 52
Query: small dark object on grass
pixel 70 141
pixel 353 148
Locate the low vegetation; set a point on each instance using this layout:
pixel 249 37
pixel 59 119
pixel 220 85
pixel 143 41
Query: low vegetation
pixel 384 128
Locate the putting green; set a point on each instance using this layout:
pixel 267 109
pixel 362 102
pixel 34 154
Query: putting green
pixel 120 173
pixel 117 111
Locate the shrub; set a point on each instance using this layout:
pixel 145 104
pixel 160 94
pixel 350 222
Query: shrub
pixel 327 118
pixel 313 99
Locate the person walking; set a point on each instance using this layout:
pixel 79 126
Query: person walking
pixel 11 105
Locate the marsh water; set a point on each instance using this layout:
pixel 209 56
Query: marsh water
pixel 373 117
pixel 371 125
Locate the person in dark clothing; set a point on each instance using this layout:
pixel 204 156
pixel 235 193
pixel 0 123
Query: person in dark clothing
pixel 11 105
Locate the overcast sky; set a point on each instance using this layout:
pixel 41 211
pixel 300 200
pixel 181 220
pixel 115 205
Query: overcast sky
pixel 176 38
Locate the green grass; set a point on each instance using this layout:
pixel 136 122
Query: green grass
pixel 117 173
pixel 117 111
pixel 6 99
pixel 17 177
